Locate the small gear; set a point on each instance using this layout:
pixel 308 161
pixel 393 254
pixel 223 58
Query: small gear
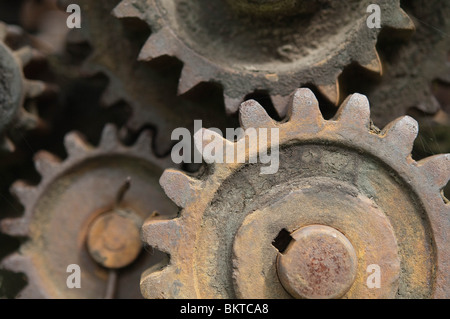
pixel 348 199
pixel 226 42
pixel 87 210
pixel 15 88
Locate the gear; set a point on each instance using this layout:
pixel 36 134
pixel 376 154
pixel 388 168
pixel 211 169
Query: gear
pixel 150 93
pixel 410 69
pixel 15 88
pixel 230 43
pixel 87 210
pixel 347 195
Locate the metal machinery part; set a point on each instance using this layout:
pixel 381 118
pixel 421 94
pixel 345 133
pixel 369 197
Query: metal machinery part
pixel 347 195
pixel 87 210
pixel 15 88
pixel 412 69
pixel 270 46
pixel 147 91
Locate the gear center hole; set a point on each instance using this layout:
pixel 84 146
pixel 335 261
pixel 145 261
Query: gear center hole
pixel 282 241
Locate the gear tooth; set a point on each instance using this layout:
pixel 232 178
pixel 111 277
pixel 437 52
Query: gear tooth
pixel 374 64
pixel 354 111
pixel 110 95
pixel 252 114
pixel 24 54
pixel 75 144
pixel 437 169
pixel 429 104
pixel 212 139
pixel 232 103
pixel 331 92
pixel 160 284
pixel 401 21
pixel 401 133
pixel 157 45
pixel 109 138
pixel 6 145
pixel 305 107
pixel 15 262
pixel 162 234
pixel 34 88
pixel 23 191
pixel 46 163
pixel 26 120
pixel 144 142
pixel 126 9
pixel 178 186
pixel 188 79
pixel 20 263
pixel 15 226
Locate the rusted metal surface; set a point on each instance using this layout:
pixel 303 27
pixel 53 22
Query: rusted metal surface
pixel 14 87
pixel 320 262
pixel 342 173
pixel 271 55
pixel 113 239
pixel 411 69
pixel 80 214
pixel 146 89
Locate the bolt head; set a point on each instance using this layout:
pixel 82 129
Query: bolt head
pixel 114 240
pixel 319 263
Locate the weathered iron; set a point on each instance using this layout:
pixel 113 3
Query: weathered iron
pixel 342 173
pixel 14 87
pixel 271 55
pixel 80 213
pixel 320 262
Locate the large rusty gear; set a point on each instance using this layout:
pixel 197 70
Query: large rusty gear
pixel 15 88
pixel 351 194
pixel 82 213
pixel 274 53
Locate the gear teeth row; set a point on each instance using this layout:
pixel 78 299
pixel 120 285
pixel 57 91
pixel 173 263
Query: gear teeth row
pixel 78 149
pixel 164 41
pixel 24 264
pixel 352 127
pixel 30 88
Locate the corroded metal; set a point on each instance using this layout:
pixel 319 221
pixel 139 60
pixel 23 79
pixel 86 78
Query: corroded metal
pixel 14 87
pixel 271 55
pixel 146 90
pixel 413 68
pixel 113 239
pixel 342 173
pixel 320 262
pixel 80 213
